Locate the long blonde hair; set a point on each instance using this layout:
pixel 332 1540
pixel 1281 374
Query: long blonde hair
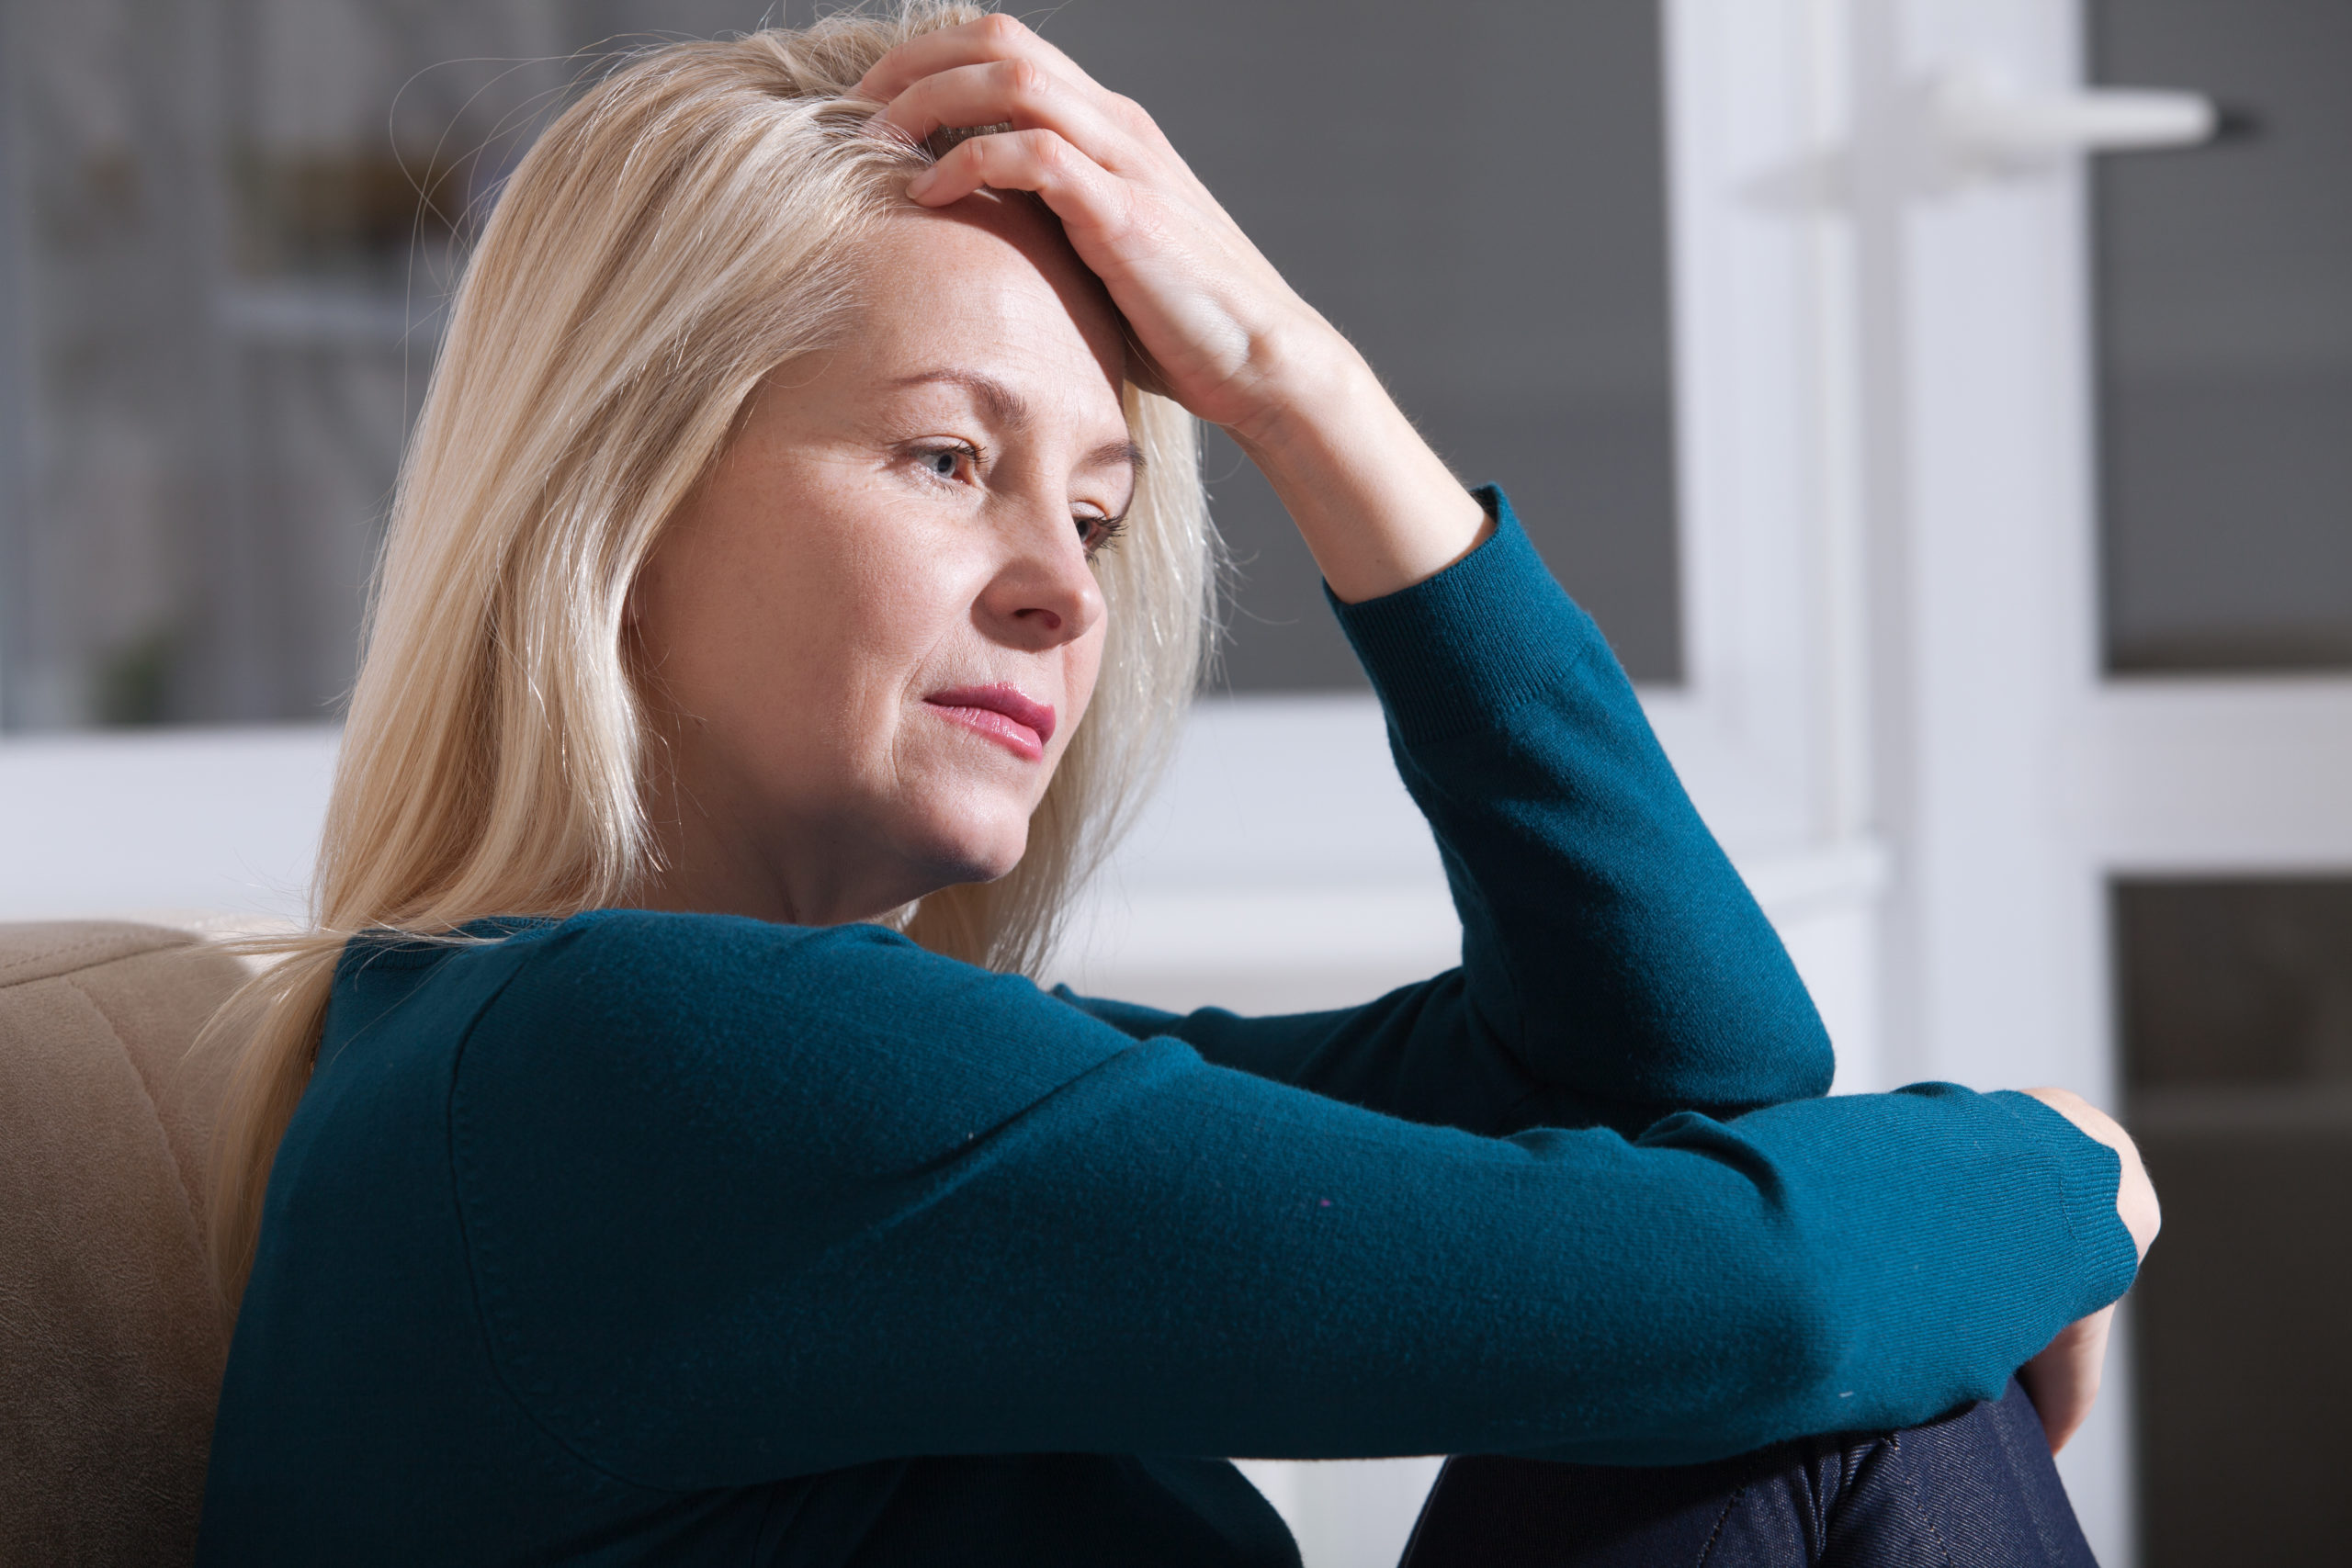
pixel 692 221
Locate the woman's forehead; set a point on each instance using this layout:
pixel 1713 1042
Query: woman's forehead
pixel 991 283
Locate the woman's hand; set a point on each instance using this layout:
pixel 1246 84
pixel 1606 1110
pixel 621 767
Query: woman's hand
pixel 1222 332
pixel 2063 1381
pixel 1213 325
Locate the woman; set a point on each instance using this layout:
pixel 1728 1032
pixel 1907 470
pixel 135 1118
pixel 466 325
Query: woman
pixel 801 547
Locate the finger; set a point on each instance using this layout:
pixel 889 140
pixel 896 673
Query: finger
pixel 1019 93
pixel 2064 1379
pixel 994 37
pixel 1080 191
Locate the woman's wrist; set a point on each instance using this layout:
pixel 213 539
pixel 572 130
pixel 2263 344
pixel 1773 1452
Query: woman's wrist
pixel 1379 510
pixel 1297 371
pixel 2135 1196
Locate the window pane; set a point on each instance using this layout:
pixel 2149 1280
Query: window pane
pixel 226 232
pixel 1478 202
pixel 2225 280
pixel 2236 1018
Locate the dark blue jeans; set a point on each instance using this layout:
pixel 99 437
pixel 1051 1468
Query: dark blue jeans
pixel 1974 1490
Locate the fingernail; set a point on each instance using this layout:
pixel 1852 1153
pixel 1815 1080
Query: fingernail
pixel 922 181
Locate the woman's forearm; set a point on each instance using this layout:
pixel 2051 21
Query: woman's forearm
pixel 1615 966
pixel 1378 508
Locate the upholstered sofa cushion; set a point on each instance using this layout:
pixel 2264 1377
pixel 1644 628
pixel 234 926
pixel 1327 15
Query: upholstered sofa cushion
pixel 111 1338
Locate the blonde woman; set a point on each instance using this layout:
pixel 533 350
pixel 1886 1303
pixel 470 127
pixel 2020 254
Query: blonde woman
pixel 658 1152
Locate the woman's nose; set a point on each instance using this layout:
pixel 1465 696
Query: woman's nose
pixel 1044 593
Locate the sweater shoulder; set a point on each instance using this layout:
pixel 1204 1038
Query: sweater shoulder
pixel 698 972
pixel 708 1019
pixel 666 951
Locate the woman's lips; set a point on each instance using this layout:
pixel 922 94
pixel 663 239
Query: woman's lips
pixel 1003 715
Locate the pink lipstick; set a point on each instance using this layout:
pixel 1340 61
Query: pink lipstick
pixel 1002 714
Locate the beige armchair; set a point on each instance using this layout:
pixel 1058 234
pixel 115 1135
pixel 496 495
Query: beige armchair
pixel 111 1338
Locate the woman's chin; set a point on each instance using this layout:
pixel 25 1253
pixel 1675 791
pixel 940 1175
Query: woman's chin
pixel 969 855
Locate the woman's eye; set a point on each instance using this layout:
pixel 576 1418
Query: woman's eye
pixel 947 462
pixel 1097 534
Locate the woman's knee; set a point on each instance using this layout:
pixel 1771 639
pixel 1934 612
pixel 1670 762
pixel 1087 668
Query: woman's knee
pixel 1977 1487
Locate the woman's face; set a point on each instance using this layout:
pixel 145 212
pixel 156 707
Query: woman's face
pixel 872 632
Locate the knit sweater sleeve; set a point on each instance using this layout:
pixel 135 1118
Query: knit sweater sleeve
pixel 1614 966
pixel 742 1202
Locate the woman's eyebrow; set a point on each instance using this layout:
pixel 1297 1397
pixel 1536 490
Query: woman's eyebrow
pixel 1000 403
pixel 1115 454
pixel 1007 408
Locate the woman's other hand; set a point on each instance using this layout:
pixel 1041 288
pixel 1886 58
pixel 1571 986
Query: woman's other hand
pixel 2063 1379
pixel 1213 325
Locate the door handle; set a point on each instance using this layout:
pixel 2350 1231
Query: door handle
pixel 1984 124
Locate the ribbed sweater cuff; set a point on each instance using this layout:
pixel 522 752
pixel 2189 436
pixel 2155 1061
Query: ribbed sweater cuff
pixel 2088 1174
pixel 1487 633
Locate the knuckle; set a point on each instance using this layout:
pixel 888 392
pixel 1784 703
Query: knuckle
pixel 1051 153
pixel 997 27
pixel 1027 78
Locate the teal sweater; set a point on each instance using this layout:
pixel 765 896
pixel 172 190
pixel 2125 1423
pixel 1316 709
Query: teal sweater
pixel 668 1239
